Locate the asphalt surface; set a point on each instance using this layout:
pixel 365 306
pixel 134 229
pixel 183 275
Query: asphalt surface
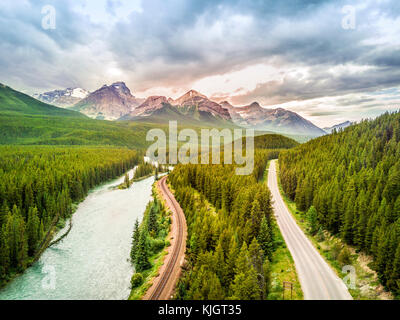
pixel 318 280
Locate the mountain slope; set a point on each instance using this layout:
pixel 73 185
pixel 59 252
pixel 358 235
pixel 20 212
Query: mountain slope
pixel 188 116
pixel 192 108
pixel 352 178
pixel 63 98
pixel 278 120
pixel 27 121
pixel 17 103
pixel 109 102
pixel 147 108
pixel 195 99
pixel 337 127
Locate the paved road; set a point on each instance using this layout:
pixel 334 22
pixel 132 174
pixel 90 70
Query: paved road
pixel 163 286
pixel 318 280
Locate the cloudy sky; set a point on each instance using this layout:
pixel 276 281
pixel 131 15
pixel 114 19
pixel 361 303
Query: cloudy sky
pixel 330 61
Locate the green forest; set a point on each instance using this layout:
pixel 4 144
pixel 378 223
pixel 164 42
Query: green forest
pixel 143 170
pixel 38 186
pixel 352 178
pixel 230 235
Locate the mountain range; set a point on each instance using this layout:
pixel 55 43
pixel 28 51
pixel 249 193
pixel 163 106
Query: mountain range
pixel 339 126
pixel 63 98
pixel 116 102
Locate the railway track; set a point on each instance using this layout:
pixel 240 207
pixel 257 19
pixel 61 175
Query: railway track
pixel 173 263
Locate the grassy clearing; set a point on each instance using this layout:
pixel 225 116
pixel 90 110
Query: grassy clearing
pixel 367 286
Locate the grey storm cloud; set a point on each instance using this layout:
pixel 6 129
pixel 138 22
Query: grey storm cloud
pixel 320 84
pixel 174 43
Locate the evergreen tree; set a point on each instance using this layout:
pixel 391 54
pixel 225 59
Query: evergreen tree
pixel 265 238
pixel 256 257
pixel 127 181
pixel 152 220
pixel 312 220
pixel 33 230
pixel 142 252
pixel 245 286
pixel 394 281
pixel 135 241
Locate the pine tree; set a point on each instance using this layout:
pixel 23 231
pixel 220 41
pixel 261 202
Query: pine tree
pixel 135 241
pixel 255 221
pixel 4 252
pixel 152 225
pixel 394 281
pixel 142 252
pixel 215 290
pixel 33 230
pixel 231 260
pixel 4 210
pixel 312 220
pixel 256 257
pixel 265 238
pixel 127 181
pixel 156 174
pixel 245 286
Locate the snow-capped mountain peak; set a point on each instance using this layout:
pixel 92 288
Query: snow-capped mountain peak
pixel 63 98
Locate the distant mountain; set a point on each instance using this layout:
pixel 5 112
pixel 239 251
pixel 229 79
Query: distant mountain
pixel 13 102
pixel 276 120
pixel 148 107
pixel 338 126
pixel 109 102
pixel 115 102
pixel 233 112
pixel 202 103
pixel 191 108
pixel 63 98
pixel 196 107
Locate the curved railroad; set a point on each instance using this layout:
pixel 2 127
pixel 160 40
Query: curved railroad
pixel 164 285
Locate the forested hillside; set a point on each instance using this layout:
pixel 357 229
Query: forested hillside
pixel 352 178
pixel 27 121
pixel 16 103
pixel 38 186
pixel 229 231
pixel 273 141
pixel 51 130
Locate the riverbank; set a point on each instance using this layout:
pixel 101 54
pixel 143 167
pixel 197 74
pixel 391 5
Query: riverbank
pixel 157 259
pixel 58 225
pixel 91 262
pixel 367 285
pixel 123 185
pixel 46 243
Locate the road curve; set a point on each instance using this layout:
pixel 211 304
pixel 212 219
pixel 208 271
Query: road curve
pixel 318 280
pixel 163 286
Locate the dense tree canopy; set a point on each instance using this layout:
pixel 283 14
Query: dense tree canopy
pixel 352 178
pixel 273 141
pixel 229 230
